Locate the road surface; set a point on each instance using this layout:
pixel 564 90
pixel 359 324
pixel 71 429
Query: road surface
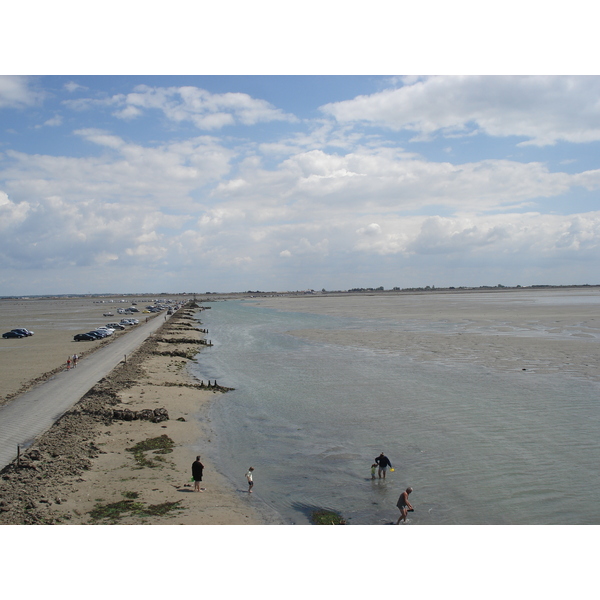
pixel 32 413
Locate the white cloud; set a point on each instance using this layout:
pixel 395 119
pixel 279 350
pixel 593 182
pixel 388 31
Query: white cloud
pixel 55 121
pixel 17 92
pixel 71 87
pixel 128 173
pixel 544 110
pixel 386 179
pixel 373 229
pixel 128 113
pixel 521 234
pixel 204 109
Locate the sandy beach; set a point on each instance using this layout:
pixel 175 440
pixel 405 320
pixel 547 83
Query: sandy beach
pixel 83 470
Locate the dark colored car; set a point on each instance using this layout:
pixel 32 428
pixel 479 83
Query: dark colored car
pixel 13 334
pixel 84 337
pixel 23 331
pixel 95 335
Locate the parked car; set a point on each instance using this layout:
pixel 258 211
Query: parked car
pixel 101 332
pixel 96 334
pixel 23 331
pixel 108 330
pixel 115 326
pixel 129 321
pixel 13 334
pixel 84 337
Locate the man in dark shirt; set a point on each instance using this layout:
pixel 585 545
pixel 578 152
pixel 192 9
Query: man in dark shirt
pixel 383 462
pixel 197 468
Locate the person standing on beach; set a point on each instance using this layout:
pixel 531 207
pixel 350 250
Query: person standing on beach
pixel 68 363
pixel 75 359
pixel 383 462
pixel 404 505
pixel 249 478
pixel 197 469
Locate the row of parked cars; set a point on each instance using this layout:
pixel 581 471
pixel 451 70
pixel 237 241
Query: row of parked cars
pixel 102 332
pixel 20 332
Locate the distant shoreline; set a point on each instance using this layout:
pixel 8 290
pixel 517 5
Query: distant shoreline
pixel 216 296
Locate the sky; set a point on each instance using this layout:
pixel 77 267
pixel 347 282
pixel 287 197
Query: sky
pixel 291 182
pixel 267 146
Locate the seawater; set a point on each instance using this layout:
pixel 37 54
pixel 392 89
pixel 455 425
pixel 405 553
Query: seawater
pixel 477 445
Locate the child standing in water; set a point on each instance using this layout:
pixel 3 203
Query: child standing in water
pixel 373 470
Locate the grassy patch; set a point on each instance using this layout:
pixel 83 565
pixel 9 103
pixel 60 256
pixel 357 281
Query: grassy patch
pixel 160 445
pixel 326 517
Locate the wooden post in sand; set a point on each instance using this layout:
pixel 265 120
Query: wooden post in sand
pixel 18 455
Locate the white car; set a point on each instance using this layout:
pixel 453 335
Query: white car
pixel 105 330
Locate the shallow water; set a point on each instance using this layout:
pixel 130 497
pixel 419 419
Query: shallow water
pixel 478 446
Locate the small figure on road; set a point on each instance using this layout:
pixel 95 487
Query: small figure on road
pixel 74 360
pixel 68 363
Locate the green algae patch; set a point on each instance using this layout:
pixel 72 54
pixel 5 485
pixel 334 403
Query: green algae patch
pixel 158 445
pixel 158 510
pixel 115 511
pixel 326 517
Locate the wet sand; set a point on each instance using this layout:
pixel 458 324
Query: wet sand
pixel 545 331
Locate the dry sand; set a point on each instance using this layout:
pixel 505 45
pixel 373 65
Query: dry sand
pixel 54 322
pixel 82 463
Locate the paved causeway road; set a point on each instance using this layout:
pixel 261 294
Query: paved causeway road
pixel 27 416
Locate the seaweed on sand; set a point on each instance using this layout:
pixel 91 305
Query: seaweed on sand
pixel 319 515
pixel 162 444
pixel 114 511
pixel 327 517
